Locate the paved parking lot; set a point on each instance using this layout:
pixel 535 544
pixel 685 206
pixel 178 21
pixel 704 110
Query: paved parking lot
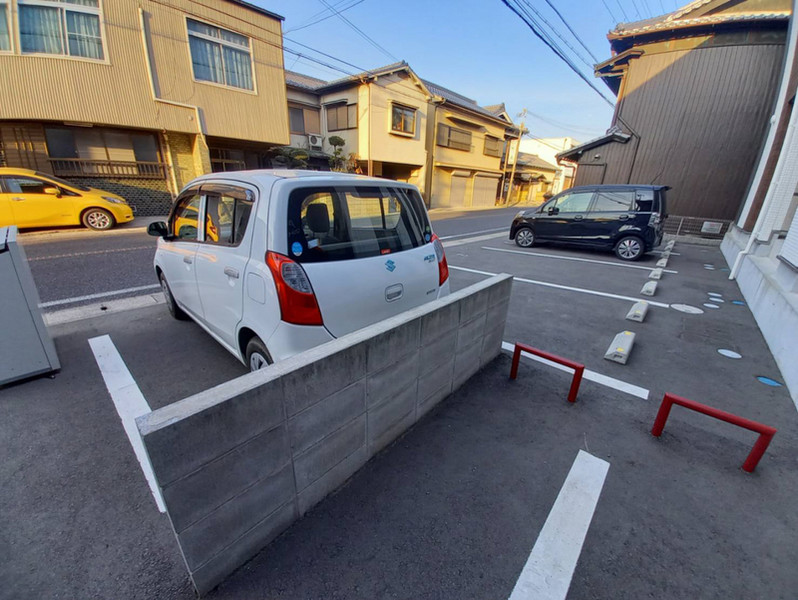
pixel 453 508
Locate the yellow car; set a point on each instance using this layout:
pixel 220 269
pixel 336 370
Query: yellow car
pixel 32 199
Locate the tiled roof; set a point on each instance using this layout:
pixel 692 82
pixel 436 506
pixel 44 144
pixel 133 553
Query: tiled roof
pixel 613 134
pixel 373 73
pixel 303 81
pixel 535 162
pixel 679 19
pixel 457 99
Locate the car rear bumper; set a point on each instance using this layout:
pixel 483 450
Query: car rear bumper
pixel 289 339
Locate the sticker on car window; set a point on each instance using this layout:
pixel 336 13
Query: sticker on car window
pixel 296 248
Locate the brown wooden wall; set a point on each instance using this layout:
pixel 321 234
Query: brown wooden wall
pixel 701 116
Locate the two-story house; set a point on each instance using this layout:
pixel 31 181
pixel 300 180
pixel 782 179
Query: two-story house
pixel 404 128
pixel 136 97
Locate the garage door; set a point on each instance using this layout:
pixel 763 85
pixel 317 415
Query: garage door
pixel 457 191
pixel 485 191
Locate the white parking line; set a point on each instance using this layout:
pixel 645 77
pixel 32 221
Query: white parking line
pixel 550 567
pixel 471 240
pixel 129 402
pixel 564 287
pixel 575 258
pixel 595 377
pixel 473 233
pixel 140 288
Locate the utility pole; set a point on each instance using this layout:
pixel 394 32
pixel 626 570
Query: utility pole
pixel 522 114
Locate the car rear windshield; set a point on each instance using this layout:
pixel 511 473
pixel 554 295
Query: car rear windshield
pixel 349 222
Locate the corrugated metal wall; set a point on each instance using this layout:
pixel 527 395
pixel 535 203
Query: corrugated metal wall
pixel 701 116
pixel 116 91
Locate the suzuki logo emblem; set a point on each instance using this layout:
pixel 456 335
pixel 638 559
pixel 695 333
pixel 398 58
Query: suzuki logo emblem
pixel 390 265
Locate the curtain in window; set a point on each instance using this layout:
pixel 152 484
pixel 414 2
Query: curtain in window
pixel 93 3
pixel 237 68
pixel 40 29
pixel 5 39
pixel 83 33
pixel 207 60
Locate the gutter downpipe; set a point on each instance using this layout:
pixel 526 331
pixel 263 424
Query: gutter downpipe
pixel 200 126
pixel 792 37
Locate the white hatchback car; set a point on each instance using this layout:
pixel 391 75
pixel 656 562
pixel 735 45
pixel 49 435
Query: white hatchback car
pixel 271 263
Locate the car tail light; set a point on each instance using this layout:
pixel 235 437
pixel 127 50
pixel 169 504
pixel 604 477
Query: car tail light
pixel 298 303
pixel 443 266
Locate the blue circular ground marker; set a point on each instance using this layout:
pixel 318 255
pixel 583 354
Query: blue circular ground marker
pixel 768 381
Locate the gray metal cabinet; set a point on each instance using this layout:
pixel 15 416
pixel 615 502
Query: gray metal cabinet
pixel 26 348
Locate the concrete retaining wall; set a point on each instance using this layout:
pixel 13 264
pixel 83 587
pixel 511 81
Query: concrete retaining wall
pixel 237 464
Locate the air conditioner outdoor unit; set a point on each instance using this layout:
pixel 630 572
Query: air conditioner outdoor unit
pixel 315 142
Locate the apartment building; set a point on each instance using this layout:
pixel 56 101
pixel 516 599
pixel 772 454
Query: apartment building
pixel 401 127
pixel 137 97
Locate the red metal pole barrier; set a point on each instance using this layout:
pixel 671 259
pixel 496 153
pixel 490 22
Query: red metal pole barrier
pixel 765 432
pixel 578 368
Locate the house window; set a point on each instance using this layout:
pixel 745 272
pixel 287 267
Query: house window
pixel 67 27
pixel 403 119
pixel 78 151
pixel 5 35
pixel 220 56
pixel 341 116
pixel 304 120
pixel 449 137
pixel 493 146
pixel 223 159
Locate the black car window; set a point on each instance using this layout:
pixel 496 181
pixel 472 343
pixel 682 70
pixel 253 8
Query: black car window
pixel 184 223
pixel 227 214
pixel 613 200
pixel 644 201
pixel 350 222
pixel 575 202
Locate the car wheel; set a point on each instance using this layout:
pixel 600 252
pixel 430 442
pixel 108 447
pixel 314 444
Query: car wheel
pixel 174 310
pixel 98 219
pixel 525 238
pixel 629 248
pixel 257 355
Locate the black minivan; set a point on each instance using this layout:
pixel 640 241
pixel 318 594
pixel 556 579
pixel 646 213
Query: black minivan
pixel 625 218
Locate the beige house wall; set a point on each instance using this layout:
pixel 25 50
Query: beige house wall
pixel 389 146
pixel 117 91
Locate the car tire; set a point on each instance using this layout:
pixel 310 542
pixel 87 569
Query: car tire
pixel 525 237
pixel 98 219
pixel 257 355
pixel 629 248
pixel 174 310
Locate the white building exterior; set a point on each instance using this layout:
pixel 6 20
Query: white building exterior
pixel 547 149
pixel 762 247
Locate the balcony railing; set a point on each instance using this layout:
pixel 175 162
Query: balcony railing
pixel 78 167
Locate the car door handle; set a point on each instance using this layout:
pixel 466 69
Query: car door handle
pixel 394 292
pixel 231 272
pixel 18 199
pixel 623 217
pixel 577 217
pixel 188 260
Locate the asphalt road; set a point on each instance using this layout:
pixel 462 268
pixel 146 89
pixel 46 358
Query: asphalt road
pixel 73 267
pixel 453 508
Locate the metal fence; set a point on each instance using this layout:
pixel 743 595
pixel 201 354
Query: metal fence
pixel 706 228
pixel 78 167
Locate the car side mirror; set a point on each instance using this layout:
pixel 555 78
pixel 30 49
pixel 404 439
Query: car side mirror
pixel 554 210
pixel 53 191
pixel 158 229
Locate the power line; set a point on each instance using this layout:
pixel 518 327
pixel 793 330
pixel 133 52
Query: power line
pixel 535 28
pixel 637 9
pixel 557 33
pixel 324 15
pixel 359 31
pixel 578 39
pixel 615 20
pixel 623 10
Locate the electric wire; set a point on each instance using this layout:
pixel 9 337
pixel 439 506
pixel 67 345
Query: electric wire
pixel 557 33
pixel 324 15
pixel 536 30
pixel 623 10
pixel 615 20
pixel 359 31
pixel 576 35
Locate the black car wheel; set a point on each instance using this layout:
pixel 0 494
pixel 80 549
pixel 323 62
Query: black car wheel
pixel 174 309
pixel 524 237
pixel 257 355
pixel 629 248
